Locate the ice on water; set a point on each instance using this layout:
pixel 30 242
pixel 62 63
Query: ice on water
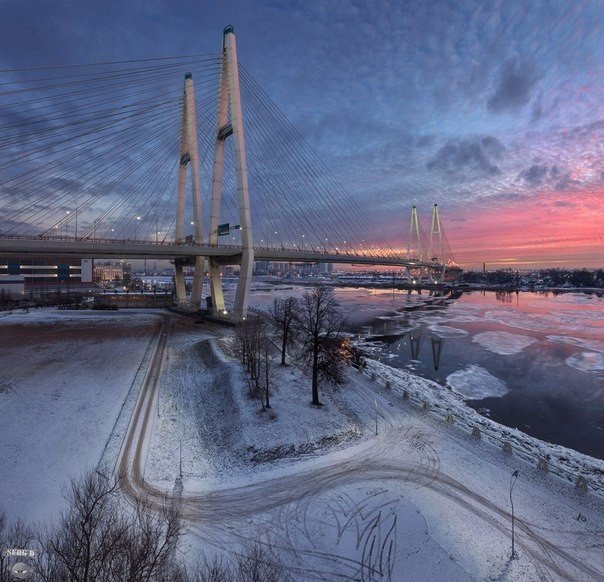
pixel 445 331
pixel 475 383
pixel 590 362
pixel 503 342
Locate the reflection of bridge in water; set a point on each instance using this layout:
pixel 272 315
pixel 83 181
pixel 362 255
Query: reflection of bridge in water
pixel 415 338
pixel 98 161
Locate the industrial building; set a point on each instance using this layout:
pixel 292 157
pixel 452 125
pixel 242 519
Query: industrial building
pixel 51 273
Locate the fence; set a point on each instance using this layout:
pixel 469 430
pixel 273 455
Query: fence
pixel 537 453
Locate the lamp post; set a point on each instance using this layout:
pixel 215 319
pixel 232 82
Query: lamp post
pixel 512 483
pixel 67 221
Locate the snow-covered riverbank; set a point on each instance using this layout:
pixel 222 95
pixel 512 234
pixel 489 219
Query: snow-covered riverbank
pixel 450 406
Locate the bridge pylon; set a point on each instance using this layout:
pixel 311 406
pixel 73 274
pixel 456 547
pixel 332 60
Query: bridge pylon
pixel 415 245
pixel 189 156
pixel 229 123
pixel 436 249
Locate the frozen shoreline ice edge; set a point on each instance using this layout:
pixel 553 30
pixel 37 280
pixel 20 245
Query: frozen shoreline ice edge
pixel 564 462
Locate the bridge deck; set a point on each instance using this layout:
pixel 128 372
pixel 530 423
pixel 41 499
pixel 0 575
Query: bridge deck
pixel 226 254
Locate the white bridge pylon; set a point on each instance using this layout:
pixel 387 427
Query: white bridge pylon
pixel 189 155
pixel 431 251
pixel 229 123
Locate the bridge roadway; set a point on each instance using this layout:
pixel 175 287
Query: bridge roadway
pixel 226 254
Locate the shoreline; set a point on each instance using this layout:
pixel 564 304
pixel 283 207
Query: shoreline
pixel 573 466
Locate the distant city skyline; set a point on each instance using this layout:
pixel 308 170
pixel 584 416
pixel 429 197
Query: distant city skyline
pixel 493 112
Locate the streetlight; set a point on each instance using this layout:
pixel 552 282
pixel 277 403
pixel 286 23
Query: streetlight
pixel 67 221
pixel 138 219
pixel 512 483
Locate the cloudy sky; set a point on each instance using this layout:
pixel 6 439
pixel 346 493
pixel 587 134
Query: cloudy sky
pixel 493 110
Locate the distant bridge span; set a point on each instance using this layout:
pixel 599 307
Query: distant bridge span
pixel 223 254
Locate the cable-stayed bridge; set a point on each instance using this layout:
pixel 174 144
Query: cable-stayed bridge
pixel 100 160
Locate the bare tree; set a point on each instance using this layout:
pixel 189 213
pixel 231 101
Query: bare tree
pixel 320 325
pixel 99 539
pixel 285 313
pixel 267 370
pixel 249 334
pixel 253 344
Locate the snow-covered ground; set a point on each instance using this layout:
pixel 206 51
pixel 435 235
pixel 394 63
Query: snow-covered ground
pixel 64 377
pixel 421 500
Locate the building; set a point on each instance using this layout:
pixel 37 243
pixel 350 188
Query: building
pixel 109 271
pixel 11 286
pixel 52 273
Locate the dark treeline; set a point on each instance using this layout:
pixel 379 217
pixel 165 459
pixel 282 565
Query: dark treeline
pixel 541 277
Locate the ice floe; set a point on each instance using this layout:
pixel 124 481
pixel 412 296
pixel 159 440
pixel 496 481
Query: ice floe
pixel 475 383
pixel 588 344
pixel 590 362
pixel 503 342
pixel 445 331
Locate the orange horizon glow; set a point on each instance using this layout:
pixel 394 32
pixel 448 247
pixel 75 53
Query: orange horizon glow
pixel 553 229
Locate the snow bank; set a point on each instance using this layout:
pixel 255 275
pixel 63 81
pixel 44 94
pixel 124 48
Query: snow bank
pixel 442 401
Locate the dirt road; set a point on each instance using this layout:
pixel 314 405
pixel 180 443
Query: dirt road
pixel 400 455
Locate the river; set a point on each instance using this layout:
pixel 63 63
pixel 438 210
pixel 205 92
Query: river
pixel 533 361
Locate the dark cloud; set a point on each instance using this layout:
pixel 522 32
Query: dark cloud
pixel 567 183
pixel 509 197
pixel 541 174
pixel 517 79
pixel 534 175
pixel 424 140
pixel 475 155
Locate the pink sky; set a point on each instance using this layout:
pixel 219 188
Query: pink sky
pixel 552 229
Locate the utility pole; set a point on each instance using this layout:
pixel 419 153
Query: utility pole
pixel 376 416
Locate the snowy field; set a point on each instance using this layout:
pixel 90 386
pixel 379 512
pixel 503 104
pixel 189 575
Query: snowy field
pixel 64 377
pixel 420 500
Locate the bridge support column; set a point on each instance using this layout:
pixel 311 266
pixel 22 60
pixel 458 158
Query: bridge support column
pixel 189 154
pixel 229 102
pixel 247 257
pixel 216 289
pixel 437 252
pixel 179 283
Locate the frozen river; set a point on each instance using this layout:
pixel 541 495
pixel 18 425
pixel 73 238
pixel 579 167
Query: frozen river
pixel 528 360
